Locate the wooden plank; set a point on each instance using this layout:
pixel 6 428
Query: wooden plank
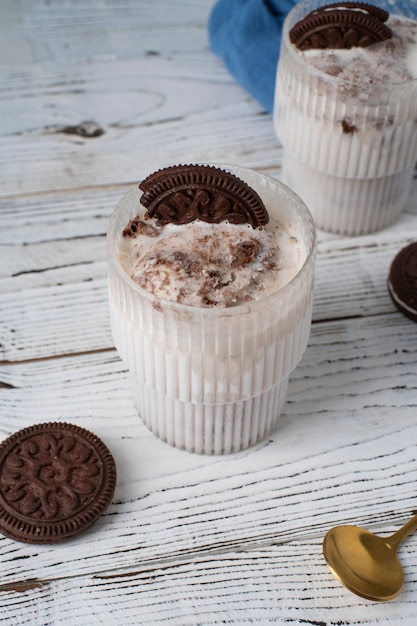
pixel 33 164
pixel 134 75
pixel 38 31
pixel 359 466
pixel 73 317
pixel 41 150
pixel 188 539
pixel 287 583
pixel 53 265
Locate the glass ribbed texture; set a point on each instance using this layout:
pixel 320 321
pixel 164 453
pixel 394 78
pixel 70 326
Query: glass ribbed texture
pixel 364 205
pixel 209 379
pixel 310 116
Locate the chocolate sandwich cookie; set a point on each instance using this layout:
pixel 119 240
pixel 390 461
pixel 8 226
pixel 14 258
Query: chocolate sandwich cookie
pixel 56 479
pixel 402 281
pixel 341 25
pixel 183 193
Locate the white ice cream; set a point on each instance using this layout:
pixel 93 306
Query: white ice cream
pixel 203 264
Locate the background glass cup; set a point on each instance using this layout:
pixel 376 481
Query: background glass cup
pixel 349 148
pixel 213 380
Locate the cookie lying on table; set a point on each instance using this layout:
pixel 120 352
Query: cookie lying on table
pixel 56 479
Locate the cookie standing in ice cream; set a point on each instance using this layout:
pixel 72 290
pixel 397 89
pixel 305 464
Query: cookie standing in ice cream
pixel 223 257
pixel 345 111
pixel 210 287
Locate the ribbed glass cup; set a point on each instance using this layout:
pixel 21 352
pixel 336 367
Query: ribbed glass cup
pixel 213 380
pixel 349 148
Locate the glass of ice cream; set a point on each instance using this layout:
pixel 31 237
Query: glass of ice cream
pixel 346 110
pixel 212 314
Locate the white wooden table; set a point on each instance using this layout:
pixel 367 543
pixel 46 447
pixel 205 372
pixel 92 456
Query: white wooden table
pixel 188 539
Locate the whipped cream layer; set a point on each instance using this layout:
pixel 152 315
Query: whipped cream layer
pixel 201 264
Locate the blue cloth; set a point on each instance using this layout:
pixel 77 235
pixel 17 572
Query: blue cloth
pixel 246 34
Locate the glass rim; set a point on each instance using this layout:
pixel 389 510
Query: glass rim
pixel 214 311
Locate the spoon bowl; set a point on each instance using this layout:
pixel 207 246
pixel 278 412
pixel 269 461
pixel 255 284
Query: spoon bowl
pixel 365 563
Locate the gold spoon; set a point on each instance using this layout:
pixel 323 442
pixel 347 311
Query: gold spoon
pixel 365 563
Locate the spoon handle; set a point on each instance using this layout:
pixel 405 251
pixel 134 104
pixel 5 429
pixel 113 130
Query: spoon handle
pixel 403 532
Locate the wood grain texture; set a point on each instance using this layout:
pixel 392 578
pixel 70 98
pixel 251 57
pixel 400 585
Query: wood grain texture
pixel 259 586
pixel 294 484
pixel 188 540
pixel 139 106
pixel 53 285
pixel 142 77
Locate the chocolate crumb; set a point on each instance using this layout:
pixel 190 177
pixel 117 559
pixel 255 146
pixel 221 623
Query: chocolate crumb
pixel 348 128
pixel 244 252
pixel 269 264
pixel 137 227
